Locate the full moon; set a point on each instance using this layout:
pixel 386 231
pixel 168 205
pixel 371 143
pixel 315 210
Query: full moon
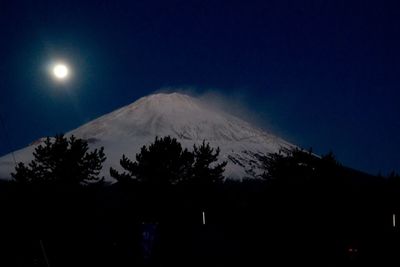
pixel 60 71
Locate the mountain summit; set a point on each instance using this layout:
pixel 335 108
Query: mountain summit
pixel 188 119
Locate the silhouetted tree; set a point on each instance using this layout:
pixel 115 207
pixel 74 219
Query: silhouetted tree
pixel 62 161
pixel 298 166
pixel 163 162
pixel 288 163
pixel 206 170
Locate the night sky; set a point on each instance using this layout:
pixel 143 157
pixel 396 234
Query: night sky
pixel 322 74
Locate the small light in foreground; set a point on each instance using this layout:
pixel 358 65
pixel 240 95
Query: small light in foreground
pixel 394 220
pixel 351 250
pixel 204 218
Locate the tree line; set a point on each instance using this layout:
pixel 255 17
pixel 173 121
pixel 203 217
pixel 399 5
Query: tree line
pixel 305 208
pixel 68 161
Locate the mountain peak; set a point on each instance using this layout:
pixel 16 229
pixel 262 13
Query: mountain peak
pixel 166 102
pixel 180 116
pixel 171 96
pixel 162 114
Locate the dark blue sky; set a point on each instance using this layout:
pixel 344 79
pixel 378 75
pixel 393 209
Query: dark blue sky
pixel 322 74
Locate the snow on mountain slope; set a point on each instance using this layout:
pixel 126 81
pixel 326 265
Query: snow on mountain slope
pixel 186 118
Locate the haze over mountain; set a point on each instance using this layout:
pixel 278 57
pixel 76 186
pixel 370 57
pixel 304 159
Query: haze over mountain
pixel 188 119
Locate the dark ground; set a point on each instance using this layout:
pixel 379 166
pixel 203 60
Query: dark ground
pixel 344 223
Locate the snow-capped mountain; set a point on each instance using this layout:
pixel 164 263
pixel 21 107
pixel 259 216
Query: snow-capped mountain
pixel 188 119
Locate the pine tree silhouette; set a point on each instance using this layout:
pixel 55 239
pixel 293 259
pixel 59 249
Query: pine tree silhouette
pixel 298 166
pixel 205 169
pixel 163 162
pixel 62 161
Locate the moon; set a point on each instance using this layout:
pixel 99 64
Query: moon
pixel 60 71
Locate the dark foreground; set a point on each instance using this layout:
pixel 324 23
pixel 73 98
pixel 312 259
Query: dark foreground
pixel 340 223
